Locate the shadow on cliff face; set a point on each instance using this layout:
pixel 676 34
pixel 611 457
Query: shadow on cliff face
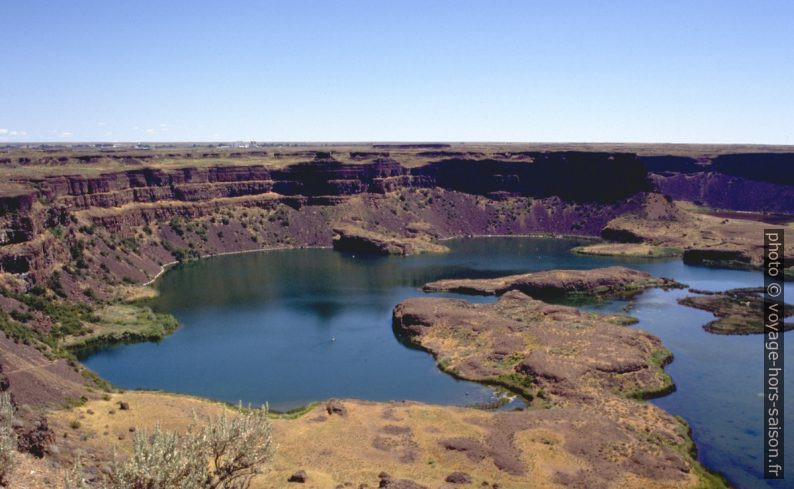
pixel 762 182
pixel 573 176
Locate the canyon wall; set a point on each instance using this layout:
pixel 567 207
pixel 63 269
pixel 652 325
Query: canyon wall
pixel 759 182
pixel 44 221
pixel 574 176
pixel 298 204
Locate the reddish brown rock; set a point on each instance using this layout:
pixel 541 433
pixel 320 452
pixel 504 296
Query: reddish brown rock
pixel 600 282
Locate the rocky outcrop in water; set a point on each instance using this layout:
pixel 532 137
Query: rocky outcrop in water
pixel 527 345
pixel 738 311
pixel 610 282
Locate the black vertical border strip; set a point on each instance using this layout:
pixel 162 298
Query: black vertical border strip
pixel 774 246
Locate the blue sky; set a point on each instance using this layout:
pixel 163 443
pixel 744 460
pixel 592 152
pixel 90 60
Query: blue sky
pixel 636 71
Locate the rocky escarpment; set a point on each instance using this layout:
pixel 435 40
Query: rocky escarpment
pixel 125 225
pixel 299 205
pixel 762 182
pixel 572 176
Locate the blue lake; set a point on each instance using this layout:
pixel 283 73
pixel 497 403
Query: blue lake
pixel 289 327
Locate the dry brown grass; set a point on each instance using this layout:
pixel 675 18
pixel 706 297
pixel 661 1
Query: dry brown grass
pixel 401 439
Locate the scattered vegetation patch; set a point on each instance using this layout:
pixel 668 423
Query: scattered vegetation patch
pixel 658 360
pixel 15 330
pixel 124 323
pixel 516 382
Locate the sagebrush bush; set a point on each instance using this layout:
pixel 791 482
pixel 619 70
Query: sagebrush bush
pixel 238 448
pixel 8 438
pixel 161 460
pixel 226 452
pixel 75 477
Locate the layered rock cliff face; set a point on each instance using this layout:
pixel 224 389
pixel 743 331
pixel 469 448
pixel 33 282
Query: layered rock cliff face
pixel 124 225
pixel 573 176
pixel 761 182
pixel 54 220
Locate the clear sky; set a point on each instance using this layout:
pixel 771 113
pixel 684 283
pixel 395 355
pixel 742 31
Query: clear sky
pixel 427 70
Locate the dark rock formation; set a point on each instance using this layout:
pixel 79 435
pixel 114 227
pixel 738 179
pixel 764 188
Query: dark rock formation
pixel 458 478
pixel 722 191
pixel 473 449
pixel 717 258
pixel 761 182
pixel 386 482
pixel 37 438
pixel 299 477
pixel 335 407
pixel 571 175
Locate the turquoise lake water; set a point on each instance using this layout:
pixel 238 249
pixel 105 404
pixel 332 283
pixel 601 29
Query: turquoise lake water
pixel 289 327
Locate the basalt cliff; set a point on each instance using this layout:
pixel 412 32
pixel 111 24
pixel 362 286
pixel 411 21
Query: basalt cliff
pixel 134 220
pixel 299 205
pixel 82 231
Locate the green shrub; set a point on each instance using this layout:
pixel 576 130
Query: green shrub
pixel 68 317
pixel 56 231
pixel 21 316
pixel 178 225
pixel 14 330
pixel 130 244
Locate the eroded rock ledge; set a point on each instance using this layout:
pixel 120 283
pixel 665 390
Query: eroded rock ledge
pixel 608 282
